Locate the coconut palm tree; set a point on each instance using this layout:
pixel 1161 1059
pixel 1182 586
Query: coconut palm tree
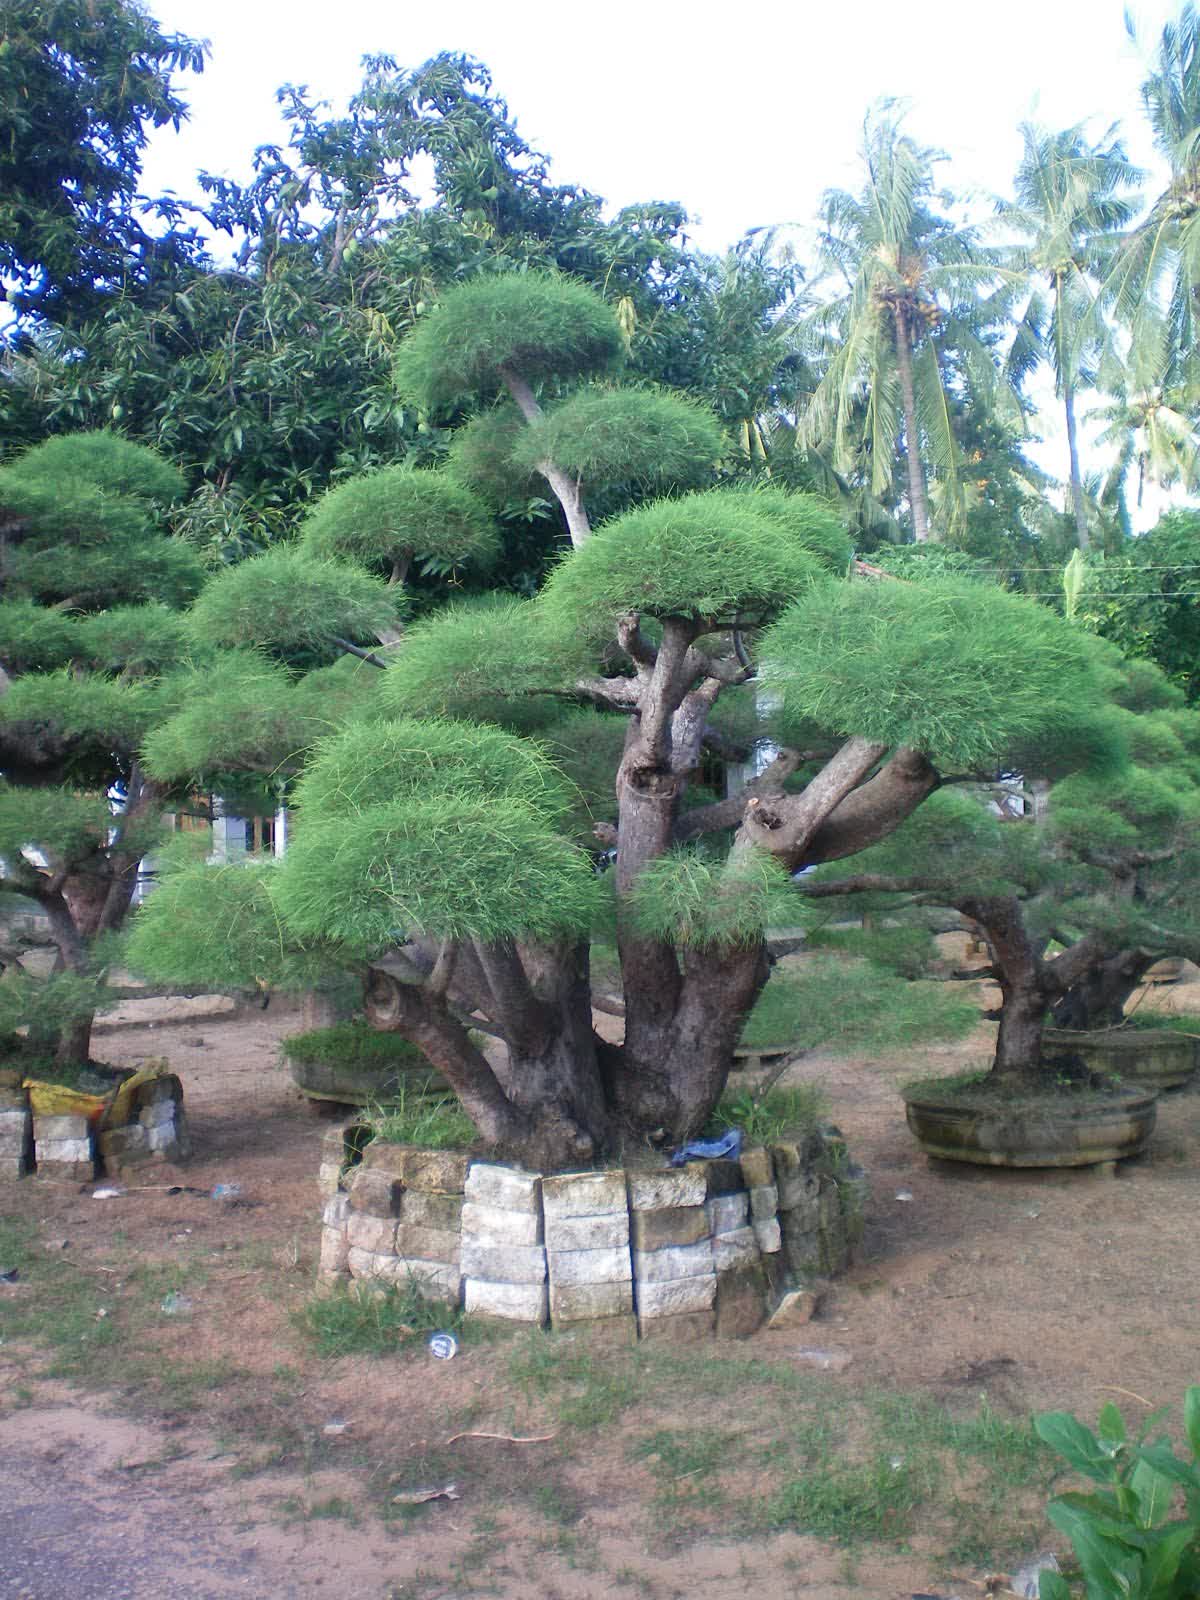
pixel 1074 199
pixel 1156 281
pixel 906 284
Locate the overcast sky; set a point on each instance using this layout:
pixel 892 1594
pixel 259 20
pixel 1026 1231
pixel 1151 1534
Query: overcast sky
pixel 742 113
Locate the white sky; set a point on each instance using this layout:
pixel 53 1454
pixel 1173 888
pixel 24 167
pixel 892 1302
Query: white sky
pixel 744 114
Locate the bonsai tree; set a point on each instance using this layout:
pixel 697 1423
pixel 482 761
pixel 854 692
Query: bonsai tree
pixel 97 651
pixel 446 834
pixel 1074 905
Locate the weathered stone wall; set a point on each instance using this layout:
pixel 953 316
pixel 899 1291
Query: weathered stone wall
pixel 67 1148
pixel 671 1252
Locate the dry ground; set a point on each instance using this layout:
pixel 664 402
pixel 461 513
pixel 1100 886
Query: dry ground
pixel 146 1454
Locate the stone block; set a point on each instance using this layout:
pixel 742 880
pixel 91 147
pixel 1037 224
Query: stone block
pixel 336 1212
pixel 601 1332
pixel 674 1225
pixel 374 1234
pixel 669 1187
pixel 123 1145
pixel 507 1188
pixel 854 1187
pixel 801 1248
pixel 335 1254
pixel 435 1280
pixel 64 1150
pixel 741 1300
pixel 514 1302
pixel 681 1327
pixel 734 1249
pixel 726 1212
pixel 159 1115
pixel 503 1263
pixel 674 1261
pixel 674 1296
pixel 439 1171
pixel 429 1210
pixel 12 1168
pixel 391 1159
pixel 585 1302
pixel 66 1171
pixel 490 1225
pixel 571 1267
pixel 722 1175
pixel 166 1087
pixel 796 1308
pixel 764 1202
pixel 16 1130
pixel 583 1194
pixel 795 1171
pixel 60 1128
pixel 183 1133
pixel 369 1264
pixel 768 1234
pixel 607 1232
pixel 415 1243
pixel 329 1179
pixel 164 1140
pixel 758 1169
pixel 376 1193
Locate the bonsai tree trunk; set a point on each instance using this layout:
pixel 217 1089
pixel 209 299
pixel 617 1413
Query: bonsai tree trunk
pixel 1099 998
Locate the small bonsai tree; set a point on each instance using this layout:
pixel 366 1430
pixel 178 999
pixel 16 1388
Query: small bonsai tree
pixel 445 842
pixel 1077 904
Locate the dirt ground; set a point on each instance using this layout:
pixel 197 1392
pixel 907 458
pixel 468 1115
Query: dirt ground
pixel 264 1470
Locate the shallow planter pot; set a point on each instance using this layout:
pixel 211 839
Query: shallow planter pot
pixel 1029 1132
pixel 749 1057
pixel 349 1082
pixel 1156 1058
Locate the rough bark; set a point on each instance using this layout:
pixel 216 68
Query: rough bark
pixel 568 491
pixel 1099 997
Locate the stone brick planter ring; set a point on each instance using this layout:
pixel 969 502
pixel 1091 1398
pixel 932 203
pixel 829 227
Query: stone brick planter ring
pixel 675 1252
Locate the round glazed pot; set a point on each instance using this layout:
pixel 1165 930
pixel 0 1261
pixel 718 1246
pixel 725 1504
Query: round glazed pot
pixel 1061 1131
pixel 1157 1058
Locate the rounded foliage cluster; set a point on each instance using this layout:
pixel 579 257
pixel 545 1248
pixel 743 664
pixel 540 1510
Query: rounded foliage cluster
pixel 967 674
pixel 533 325
pixel 103 461
pixel 385 518
pixel 482 455
pixel 292 602
pixel 447 866
pixel 714 557
pixel 646 437
pixel 381 762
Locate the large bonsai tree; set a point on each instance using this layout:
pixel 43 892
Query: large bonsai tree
pixel 446 836
pixel 1075 900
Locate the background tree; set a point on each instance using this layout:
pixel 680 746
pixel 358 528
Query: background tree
pixel 81 83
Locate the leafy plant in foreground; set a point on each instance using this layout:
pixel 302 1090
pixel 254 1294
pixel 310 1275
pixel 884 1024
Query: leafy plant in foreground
pixel 1129 1541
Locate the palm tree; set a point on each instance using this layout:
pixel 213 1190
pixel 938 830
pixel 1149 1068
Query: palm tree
pixel 1156 281
pixel 1074 199
pixel 908 292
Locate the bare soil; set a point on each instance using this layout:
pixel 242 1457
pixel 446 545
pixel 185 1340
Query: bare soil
pixel 204 1456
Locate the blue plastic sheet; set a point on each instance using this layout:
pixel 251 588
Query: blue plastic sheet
pixel 729 1144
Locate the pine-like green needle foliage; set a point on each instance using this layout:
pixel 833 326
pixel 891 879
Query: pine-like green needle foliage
pixel 217 927
pixel 835 1005
pixel 64 826
pixel 33 638
pixel 448 866
pixel 536 325
pixel 712 556
pixel 481 454
pixel 695 900
pixel 973 677
pixel 293 603
pixel 89 710
pixel 400 513
pixel 107 462
pixel 245 713
pixel 645 437
pixel 134 639
pixel 386 762
pixel 472 657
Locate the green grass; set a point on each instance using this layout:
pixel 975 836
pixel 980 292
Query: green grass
pixel 372 1322
pixel 355 1042
pixel 413 1116
pixel 794 1110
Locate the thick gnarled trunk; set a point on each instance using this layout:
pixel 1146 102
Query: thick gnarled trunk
pixel 1099 998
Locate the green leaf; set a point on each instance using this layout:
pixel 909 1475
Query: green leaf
pixel 1053 1586
pixel 1154 1491
pixel 1111 1426
pixel 1191 1417
pixel 1079 1445
pixel 1112 1572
